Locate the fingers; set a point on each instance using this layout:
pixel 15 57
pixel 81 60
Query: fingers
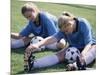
pixel 81 58
pixel 29 50
pixel 70 67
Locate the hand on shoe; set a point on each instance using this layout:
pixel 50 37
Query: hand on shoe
pixel 81 64
pixel 78 65
pixel 31 48
pixel 28 56
pixel 71 67
pixel 82 60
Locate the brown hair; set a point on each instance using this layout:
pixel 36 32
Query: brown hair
pixel 29 7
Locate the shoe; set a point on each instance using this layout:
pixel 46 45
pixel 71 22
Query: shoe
pixel 25 68
pixel 81 65
pixel 30 63
pixel 70 67
pixel 78 65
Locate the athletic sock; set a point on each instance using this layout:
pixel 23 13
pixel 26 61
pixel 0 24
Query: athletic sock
pixel 90 56
pixel 52 46
pixel 17 43
pixel 46 61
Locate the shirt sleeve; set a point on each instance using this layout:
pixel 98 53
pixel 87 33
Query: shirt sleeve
pixel 87 32
pixel 26 31
pixel 51 24
pixel 51 27
pixel 59 35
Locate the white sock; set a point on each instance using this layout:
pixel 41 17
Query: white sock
pixel 90 56
pixel 17 43
pixel 52 46
pixel 46 61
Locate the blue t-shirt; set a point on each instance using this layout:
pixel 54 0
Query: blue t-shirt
pixel 81 37
pixel 48 26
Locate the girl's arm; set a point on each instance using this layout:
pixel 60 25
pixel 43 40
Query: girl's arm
pixel 16 36
pixel 46 41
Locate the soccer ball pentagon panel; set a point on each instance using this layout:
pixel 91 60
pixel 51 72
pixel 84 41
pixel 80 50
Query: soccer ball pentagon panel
pixel 71 54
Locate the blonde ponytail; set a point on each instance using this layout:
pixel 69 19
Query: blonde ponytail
pixel 65 18
pixel 68 14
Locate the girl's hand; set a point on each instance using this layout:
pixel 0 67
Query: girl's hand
pixel 82 60
pixel 27 54
pixel 32 47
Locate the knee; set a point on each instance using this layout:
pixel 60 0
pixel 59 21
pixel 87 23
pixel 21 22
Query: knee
pixel 61 44
pixel 17 43
pixel 61 55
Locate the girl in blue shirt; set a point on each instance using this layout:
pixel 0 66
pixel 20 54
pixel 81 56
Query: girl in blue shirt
pixel 40 24
pixel 78 33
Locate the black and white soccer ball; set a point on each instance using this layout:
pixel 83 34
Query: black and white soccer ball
pixel 71 54
pixel 37 39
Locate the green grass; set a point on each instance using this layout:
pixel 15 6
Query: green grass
pixel 18 22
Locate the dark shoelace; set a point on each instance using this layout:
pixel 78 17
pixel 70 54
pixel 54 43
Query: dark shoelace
pixel 80 65
pixel 31 61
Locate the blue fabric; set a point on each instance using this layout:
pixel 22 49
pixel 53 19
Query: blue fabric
pixel 48 26
pixel 81 37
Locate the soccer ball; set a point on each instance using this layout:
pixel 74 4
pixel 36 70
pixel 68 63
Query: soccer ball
pixel 37 39
pixel 71 54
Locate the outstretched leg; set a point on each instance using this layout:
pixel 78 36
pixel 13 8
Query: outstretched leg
pixel 88 58
pixel 47 60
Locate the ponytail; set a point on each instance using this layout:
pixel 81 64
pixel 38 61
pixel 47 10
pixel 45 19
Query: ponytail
pixel 68 14
pixel 65 18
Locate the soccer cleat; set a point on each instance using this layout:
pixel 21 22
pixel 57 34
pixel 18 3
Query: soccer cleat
pixel 31 62
pixel 76 66
pixel 25 68
pixel 80 65
pixel 70 67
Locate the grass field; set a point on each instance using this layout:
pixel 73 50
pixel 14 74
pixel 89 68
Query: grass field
pixel 18 22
